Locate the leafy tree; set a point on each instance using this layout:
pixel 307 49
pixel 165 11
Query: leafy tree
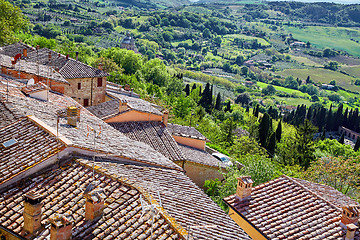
pixel 264 129
pixel 332 66
pixel 269 90
pixel 243 98
pixel 155 71
pixel 183 106
pixel 305 146
pixel 108 65
pixel 206 33
pixel 11 21
pixel 227 128
pixel 174 85
pixel 290 82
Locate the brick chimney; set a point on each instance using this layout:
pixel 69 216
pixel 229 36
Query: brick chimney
pixel 61 228
pixel 32 212
pixel 94 205
pixel 25 52
pixel 350 231
pixel 243 189
pixel 49 56
pixel 165 117
pixel 350 214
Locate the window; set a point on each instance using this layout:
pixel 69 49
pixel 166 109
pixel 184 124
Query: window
pixel 86 102
pixel 79 85
pixel 100 82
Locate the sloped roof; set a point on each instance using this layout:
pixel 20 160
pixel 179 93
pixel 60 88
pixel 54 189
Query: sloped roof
pixel 6 116
pixel 32 68
pixel 201 157
pixel 68 67
pixel 154 134
pixel 289 208
pixel 37 87
pixel 137 104
pixel 110 141
pixel 32 145
pixel 182 200
pixel 105 109
pixel 185 131
pixel 63 189
pixel 16 48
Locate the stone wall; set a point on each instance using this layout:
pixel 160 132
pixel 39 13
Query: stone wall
pixel 199 173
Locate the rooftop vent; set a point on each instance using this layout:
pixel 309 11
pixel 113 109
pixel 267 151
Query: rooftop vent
pixel 9 143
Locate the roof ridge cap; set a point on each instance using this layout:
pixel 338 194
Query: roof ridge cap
pixel 312 192
pixel 150 199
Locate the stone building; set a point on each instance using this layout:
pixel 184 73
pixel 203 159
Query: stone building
pixel 128 42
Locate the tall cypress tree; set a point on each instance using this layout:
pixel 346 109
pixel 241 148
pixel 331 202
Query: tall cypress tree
pixel 278 131
pixel 187 89
pixel 272 144
pixel 357 145
pixel 338 117
pixel 228 107
pixel 256 111
pixel 264 129
pixel 218 102
pixel 329 119
pixel 193 87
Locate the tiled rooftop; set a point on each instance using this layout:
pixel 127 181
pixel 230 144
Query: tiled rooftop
pixel 155 134
pixel 182 200
pixel 32 68
pixel 32 146
pixel 288 208
pixel 105 109
pixel 34 88
pixel 185 131
pixel 6 116
pixel 200 157
pixel 16 48
pixel 137 103
pixel 68 67
pixel 63 189
pixel 110 141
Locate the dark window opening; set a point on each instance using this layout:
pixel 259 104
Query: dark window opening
pixel 100 82
pixel 86 102
pixel 79 85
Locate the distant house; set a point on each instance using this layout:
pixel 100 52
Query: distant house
pixel 328 87
pixel 128 42
pixel 292 209
pixel 298 44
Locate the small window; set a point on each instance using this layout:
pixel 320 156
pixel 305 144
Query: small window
pixel 100 82
pixel 86 102
pixel 79 85
pixel 9 143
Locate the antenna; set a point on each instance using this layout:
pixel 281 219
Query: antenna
pixel 93 130
pixel 154 209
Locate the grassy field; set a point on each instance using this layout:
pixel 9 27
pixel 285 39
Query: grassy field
pixel 245 37
pixel 293 101
pixel 333 37
pixel 283 89
pixel 323 76
pixel 353 70
pixel 305 61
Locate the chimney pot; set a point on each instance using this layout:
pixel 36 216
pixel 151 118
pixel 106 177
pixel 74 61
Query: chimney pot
pixel 32 212
pixel 67 56
pixel 25 52
pixel 37 47
pixel 350 214
pixel 350 231
pixel 61 228
pixel 94 205
pixel 243 189
pixel 165 117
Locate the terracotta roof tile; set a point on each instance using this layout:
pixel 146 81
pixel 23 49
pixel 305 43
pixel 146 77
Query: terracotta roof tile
pixel 287 208
pixel 63 189
pixel 185 131
pixel 182 200
pixel 200 156
pixel 31 146
pixel 16 48
pixel 155 134
pixel 110 141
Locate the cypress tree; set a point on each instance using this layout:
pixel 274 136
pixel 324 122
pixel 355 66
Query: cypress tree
pixel 200 91
pixel 247 108
pixel 264 129
pixel 338 117
pixel 342 139
pixel 323 135
pixel 187 89
pixel 278 131
pixel 218 102
pixel 256 111
pixel 193 87
pixel 272 144
pixel 228 107
pixel 357 145
pixel 345 118
pixel 329 119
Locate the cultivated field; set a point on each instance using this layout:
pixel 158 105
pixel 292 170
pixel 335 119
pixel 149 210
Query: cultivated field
pixel 353 70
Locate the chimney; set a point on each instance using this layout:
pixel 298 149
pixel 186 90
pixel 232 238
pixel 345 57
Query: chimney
pixel 94 205
pixel 37 47
pixel 77 56
pixel 61 228
pixel 165 117
pixel 243 189
pixel 73 116
pixel 25 52
pixel 350 214
pixel 67 56
pixel 350 231
pixel 100 66
pixel 32 212
pixel 49 56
